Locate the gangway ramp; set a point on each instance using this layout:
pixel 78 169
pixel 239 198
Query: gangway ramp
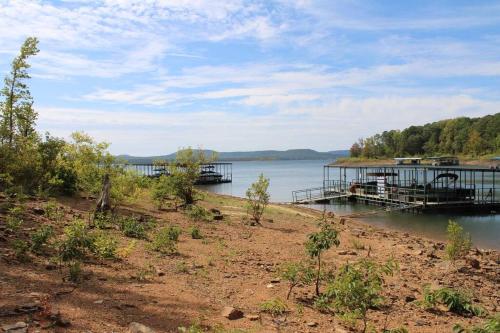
pixel 316 194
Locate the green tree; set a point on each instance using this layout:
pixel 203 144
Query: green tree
pixel 184 173
pixel 18 116
pixel 258 198
pixel 317 243
pixel 475 143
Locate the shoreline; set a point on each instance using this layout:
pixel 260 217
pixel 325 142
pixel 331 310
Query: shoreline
pixel 358 219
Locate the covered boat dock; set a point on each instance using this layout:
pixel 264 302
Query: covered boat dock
pixel 409 187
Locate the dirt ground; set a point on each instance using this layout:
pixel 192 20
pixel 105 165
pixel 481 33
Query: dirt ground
pixel 236 265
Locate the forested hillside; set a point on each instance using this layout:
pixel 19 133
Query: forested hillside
pixel 459 136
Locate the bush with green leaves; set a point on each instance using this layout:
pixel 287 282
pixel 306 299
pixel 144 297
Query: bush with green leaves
pixel 193 328
pixel 53 212
pixel 162 190
pixel 104 246
pixel 275 307
pixel 14 218
pixel 102 220
pixel 41 237
pixel 257 198
pixel 296 273
pixel 457 301
pixel 21 248
pixel 75 271
pixel 317 243
pixel 491 325
pixel 77 241
pixel 195 232
pixel 198 213
pixel 165 240
pixel 458 241
pixel 356 289
pixel 131 227
pixel 174 232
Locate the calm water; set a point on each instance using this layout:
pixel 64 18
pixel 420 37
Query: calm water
pixel 286 176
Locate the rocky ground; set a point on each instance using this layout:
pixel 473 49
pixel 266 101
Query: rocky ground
pixel 228 273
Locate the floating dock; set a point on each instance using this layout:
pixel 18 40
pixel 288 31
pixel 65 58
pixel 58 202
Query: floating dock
pixel 210 173
pixel 409 187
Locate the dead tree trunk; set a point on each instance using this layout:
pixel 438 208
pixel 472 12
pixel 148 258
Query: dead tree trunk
pixel 104 203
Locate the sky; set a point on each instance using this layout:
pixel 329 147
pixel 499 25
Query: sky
pixel 152 76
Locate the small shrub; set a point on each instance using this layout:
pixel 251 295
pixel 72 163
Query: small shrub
pixel 165 240
pixel 356 289
pixel 396 330
pixel 124 252
pixel 53 212
pixel 133 228
pixel 275 307
pixel 20 249
pixel 198 213
pixel 75 272
pixel 491 325
pixel 104 246
pixel 193 328
pixel 357 245
pixel 14 218
pixel 296 273
pixel 181 267
pixel 258 198
pixel 13 223
pixel 40 237
pixel 195 233
pixel 174 232
pixel 77 241
pixel 102 220
pixel 457 301
pixel 162 190
pixel 459 242
pixel 317 243
pixel 146 273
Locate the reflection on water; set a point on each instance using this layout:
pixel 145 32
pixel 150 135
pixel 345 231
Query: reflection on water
pixel 286 176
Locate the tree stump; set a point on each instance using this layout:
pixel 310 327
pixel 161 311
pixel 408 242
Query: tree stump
pixel 104 203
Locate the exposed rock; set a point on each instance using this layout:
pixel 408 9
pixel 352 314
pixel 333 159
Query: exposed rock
pixel 410 298
pixel 19 327
pixel 99 301
pixel 276 280
pixel 312 324
pixel 474 263
pixel 215 211
pixel 139 328
pixel 252 317
pixel 38 210
pixel 420 322
pixel 50 266
pixel 231 313
pixel 418 252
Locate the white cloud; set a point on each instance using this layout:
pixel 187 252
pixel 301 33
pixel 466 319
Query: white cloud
pixel 334 125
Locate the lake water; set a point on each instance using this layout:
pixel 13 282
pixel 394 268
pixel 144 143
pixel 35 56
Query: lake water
pixel 286 176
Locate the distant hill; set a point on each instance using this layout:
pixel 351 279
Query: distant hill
pixel 291 154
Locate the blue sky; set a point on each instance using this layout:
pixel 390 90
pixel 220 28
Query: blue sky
pixel 151 76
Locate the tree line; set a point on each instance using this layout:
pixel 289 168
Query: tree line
pixel 459 136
